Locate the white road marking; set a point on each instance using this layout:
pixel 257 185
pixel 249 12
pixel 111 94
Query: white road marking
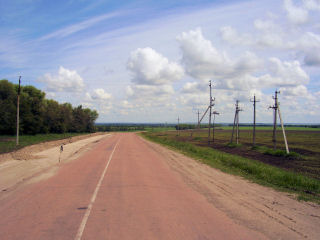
pixel 93 198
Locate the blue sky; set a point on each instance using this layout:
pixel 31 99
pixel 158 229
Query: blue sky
pixel 150 61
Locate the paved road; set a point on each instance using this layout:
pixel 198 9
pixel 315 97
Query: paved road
pixel 121 189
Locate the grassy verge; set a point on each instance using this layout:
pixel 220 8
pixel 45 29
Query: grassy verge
pixel 305 188
pixel 287 128
pixel 8 143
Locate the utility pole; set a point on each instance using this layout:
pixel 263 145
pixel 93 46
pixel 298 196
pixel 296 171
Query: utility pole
pixel 214 117
pixel 198 119
pixel 211 104
pixel 254 119
pixel 236 122
pixel 276 109
pixel 18 98
pixel 178 126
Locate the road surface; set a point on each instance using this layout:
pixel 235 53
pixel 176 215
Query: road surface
pixel 120 189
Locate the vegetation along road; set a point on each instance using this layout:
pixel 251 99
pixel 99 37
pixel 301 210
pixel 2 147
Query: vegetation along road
pixel 121 186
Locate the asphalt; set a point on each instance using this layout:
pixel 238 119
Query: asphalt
pixel 120 189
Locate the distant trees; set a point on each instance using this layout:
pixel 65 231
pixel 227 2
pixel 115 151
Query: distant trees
pixel 41 115
pixel 119 128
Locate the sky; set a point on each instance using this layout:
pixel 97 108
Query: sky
pixel 151 61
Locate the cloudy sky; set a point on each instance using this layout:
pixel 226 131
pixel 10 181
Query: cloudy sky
pixel 151 61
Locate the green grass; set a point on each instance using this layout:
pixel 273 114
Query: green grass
pixel 306 188
pixel 159 129
pixel 304 146
pixel 271 127
pixel 8 143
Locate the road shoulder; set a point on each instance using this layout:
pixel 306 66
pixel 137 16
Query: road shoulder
pixel 275 214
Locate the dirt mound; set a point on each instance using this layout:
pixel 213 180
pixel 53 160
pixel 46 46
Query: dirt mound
pixel 28 152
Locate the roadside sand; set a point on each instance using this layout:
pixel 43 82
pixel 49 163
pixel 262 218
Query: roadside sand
pixel 39 161
pixel 275 214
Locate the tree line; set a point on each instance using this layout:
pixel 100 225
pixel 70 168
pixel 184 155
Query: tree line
pixel 121 128
pixel 41 115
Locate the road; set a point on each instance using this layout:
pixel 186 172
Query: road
pixel 120 189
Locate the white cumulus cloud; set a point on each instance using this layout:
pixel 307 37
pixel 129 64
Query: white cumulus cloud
pixel 65 81
pixel 100 94
pixel 287 73
pixel 295 14
pixel 202 60
pixel 151 68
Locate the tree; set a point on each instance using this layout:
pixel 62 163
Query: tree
pixel 40 115
pixel 8 107
pixel 32 110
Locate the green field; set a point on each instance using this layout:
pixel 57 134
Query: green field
pixel 298 172
pixel 271 127
pixel 159 129
pixel 8 143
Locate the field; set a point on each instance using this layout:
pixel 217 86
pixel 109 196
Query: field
pixel 283 171
pixel 8 143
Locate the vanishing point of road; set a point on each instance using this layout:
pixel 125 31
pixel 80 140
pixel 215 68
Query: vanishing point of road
pixel 120 189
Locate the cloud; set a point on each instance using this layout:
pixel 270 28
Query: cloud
pixel 311 4
pixel 230 35
pixel 99 95
pixel 64 32
pixel 287 73
pixel 299 90
pixel 194 87
pixel 268 35
pixel 65 81
pixel 296 15
pixel 310 44
pixel 148 67
pixel 202 60
pixel 145 92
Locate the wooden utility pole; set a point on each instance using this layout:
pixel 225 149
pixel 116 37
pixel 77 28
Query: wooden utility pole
pixel 18 99
pixel 178 126
pixel 254 119
pixel 214 118
pixel 236 122
pixel 276 109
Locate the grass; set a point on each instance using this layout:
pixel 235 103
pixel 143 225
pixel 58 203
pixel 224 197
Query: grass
pixel 306 188
pixel 8 143
pixel 304 147
pixel 271 127
pixel 159 129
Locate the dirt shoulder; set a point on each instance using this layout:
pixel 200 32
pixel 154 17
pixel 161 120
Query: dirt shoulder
pixel 40 161
pixel 275 214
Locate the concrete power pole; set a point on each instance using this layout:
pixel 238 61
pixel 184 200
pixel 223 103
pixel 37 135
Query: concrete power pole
pixel 211 104
pixel 236 123
pixel 18 99
pixel 198 119
pixel 276 109
pixel 254 119
pixel 214 118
